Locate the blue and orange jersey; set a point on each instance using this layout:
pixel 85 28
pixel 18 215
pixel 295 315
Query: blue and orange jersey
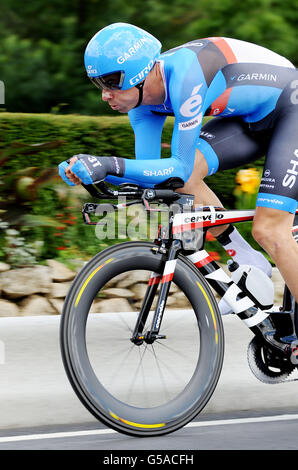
pixel 206 77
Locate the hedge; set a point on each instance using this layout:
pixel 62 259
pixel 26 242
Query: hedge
pixel 99 135
pixel 102 135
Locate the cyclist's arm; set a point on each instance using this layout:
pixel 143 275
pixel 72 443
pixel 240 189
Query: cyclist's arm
pixel 147 129
pixel 187 89
pixel 187 95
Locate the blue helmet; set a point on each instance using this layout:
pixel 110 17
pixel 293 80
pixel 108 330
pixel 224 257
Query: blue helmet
pixel 120 56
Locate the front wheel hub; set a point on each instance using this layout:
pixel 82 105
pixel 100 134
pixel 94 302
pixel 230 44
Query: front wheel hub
pixel 148 337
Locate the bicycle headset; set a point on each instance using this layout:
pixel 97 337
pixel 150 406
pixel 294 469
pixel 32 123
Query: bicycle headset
pixel 120 56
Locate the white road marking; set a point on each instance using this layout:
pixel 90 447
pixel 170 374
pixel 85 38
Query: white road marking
pixel 55 435
pixel 194 424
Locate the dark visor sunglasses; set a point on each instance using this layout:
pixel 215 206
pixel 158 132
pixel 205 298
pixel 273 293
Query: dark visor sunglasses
pixel 111 81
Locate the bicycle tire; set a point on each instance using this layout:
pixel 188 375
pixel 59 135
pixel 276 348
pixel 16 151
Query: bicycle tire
pixel 112 411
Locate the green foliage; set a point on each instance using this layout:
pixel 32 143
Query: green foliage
pixel 52 214
pixel 41 65
pixel 85 134
pixel 43 42
pixel 19 188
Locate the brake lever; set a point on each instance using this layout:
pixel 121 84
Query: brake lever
pixel 92 190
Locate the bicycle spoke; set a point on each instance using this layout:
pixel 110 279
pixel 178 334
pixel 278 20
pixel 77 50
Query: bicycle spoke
pixel 167 394
pixel 151 362
pixel 134 378
pixel 129 328
pixel 171 370
pixel 179 353
pixel 118 368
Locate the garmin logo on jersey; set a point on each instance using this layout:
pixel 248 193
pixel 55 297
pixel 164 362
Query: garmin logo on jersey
pixel 269 77
pixel 140 76
pixel 132 50
pixel 290 178
pixel 165 172
pixel 191 124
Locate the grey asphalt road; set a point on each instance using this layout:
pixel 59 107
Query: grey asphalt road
pixel 36 399
pixel 245 431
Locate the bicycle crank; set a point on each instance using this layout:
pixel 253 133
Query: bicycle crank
pixel 268 365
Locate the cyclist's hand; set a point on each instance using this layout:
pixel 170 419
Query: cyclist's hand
pixel 84 168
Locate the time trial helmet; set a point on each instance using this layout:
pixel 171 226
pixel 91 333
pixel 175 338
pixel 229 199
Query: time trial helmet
pixel 120 56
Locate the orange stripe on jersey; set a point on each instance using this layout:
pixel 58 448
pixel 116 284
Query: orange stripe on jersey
pixel 225 49
pixel 220 104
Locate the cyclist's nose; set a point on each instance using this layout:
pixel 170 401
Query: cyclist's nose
pixel 106 95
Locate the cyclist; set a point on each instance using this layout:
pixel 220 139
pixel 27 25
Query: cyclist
pixel 252 95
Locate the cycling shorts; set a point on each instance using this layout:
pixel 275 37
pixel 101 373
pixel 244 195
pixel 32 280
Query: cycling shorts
pixel 232 141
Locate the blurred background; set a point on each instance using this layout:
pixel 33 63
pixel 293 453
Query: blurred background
pixel 51 111
pixel 43 41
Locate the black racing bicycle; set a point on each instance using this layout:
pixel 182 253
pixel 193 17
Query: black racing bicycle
pixel 151 370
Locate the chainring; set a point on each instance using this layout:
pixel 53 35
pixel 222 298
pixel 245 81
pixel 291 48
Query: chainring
pixel 267 365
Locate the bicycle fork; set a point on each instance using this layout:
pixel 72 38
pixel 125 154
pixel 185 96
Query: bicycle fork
pixel 164 280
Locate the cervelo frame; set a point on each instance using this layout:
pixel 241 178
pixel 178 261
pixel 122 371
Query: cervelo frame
pixel 174 240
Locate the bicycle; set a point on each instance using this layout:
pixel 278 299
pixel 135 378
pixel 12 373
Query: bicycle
pixel 169 384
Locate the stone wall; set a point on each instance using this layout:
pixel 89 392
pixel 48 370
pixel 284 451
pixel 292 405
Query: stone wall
pixel 40 290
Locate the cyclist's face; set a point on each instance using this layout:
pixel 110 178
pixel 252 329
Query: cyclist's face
pixel 121 100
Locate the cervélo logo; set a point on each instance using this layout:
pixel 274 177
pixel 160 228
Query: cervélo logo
pixel 199 218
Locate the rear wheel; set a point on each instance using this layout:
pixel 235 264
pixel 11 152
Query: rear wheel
pixel 145 389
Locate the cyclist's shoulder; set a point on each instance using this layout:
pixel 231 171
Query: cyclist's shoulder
pixel 179 64
pixel 216 51
pixel 240 51
pixel 178 57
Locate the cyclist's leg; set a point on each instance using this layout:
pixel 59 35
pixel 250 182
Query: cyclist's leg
pixel 226 143
pixel 272 229
pixel 277 199
pixel 203 194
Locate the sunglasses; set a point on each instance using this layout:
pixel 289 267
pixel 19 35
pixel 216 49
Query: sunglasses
pixel 111 81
